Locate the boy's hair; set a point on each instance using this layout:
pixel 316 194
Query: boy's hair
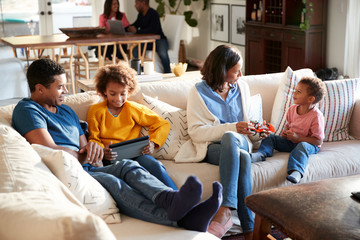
pixel 42 71
pixel 316 87
pixel 118 73
pixel 218 63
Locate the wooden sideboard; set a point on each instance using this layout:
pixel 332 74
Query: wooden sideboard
pixel 276 40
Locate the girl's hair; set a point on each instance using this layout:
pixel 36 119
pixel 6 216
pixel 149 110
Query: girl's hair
pixel 107 9
pixel 316 87
pixel 118 73
pixel 218 63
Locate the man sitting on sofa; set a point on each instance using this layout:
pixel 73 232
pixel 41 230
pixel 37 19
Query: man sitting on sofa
pixel 42 119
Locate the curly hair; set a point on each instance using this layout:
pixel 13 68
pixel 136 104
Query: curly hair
pixel 218 63
pixel 119 73
pixel 316 87
pixel 42 71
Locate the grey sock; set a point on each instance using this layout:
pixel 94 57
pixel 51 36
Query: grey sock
pixel 257 157
pixel 294 177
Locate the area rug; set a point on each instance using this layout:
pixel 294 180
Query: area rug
pixel 274 233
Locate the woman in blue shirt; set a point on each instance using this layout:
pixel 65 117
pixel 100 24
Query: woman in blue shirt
pixel 218 118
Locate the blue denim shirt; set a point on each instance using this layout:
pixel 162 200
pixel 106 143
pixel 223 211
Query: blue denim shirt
pixel 226 111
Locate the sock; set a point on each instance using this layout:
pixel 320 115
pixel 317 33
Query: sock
pixel 199 217
pixel 179 203
pixel 257 157
pixel 294 176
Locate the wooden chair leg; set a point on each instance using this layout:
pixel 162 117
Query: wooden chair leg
pixel 261 229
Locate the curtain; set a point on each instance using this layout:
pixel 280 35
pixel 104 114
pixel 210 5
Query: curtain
pixel 352 38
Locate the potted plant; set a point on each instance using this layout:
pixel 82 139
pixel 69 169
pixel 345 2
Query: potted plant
pixel 173 7
pixel 306 14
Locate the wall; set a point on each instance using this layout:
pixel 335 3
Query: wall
pixel 198 43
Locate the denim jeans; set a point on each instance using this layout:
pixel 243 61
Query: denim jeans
pixel 162 47
pixel 231 154
pixel 299 152
pixel 156 168
pixel 134 190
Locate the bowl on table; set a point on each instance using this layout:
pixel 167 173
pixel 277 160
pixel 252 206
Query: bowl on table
pixel 83 32
pixel 178 68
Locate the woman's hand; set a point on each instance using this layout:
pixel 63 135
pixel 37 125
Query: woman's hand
pixel 109 154
pixel 132 29
pixel 149 149
pixel 246 128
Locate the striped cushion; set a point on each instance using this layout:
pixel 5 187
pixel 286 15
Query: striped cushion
pixel 337 105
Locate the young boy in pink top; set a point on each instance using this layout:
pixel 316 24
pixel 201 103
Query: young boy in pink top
pixel 304 129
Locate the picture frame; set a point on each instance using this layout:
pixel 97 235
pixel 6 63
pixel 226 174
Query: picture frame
pixel 238 19
pixel 219 22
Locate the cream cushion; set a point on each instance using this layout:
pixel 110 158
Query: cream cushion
pixel 84 187
pixel 34 204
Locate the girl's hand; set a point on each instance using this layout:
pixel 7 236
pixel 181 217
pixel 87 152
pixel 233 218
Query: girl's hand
pixel 109 154
pixel 245 128
pixel 149 149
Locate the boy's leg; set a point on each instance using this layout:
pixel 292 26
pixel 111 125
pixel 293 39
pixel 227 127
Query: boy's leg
pixel 162 48
pixel 269 144
pixel 156 168
pixel 299 156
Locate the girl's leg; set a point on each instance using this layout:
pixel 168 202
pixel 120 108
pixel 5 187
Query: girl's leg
pixel 157 169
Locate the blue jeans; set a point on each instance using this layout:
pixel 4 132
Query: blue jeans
pixel 156 168
pixel 134 190
pixel 162 48
pixel 231 154
pixel 299 152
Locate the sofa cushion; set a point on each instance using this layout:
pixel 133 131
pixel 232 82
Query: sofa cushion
pixel 337 105
pixel 6 112
pixel 178 134
pixel 81 102
pixel 84 187
pixel 34 203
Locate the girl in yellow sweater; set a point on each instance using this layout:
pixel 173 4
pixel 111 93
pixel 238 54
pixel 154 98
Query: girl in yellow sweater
pixel 116 119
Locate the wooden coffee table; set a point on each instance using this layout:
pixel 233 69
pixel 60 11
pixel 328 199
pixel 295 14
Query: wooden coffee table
pixel 319 210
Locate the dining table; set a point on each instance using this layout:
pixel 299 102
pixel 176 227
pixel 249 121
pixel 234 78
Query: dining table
pixel 29 41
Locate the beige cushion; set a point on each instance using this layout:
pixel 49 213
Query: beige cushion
pixel 84 187
pixel 178 134
pixel 6 112
pixel 34 204
pixel 81 102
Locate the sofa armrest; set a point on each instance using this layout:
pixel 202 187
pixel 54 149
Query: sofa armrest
pixel 354 126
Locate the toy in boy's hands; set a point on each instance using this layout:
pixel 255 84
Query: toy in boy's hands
pixel 261 129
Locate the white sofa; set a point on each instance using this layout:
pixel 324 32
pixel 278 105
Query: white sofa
pixel 340 158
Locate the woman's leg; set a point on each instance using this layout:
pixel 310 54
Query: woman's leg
pixel 157 169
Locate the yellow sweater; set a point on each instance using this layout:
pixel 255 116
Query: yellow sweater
pixel 104 127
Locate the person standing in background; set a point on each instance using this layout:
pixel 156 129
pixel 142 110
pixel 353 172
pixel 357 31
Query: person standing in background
pixel 148 21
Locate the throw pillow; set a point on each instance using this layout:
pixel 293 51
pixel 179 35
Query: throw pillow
pixel 256 108
pixel 85 188
pixel 34 203
pixel 337 105
pixel 178 132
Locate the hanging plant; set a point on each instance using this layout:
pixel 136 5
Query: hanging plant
pixel 172 7
pixel 306 14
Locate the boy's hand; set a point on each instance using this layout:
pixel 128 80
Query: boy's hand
pixel 292 136
pixel 149 149
pixel 109 154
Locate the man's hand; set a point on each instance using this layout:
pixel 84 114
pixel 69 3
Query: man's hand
pixel 94 154
pixel 245 128
pixel 109 154
pixel 132 29
pixel 149 149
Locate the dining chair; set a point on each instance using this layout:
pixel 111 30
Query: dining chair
pixel 62 54
pixel 83 65
pixel 143 56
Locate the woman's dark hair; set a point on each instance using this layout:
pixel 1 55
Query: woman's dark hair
pixel 42 71
pixel 218 63
pixel 107 9
pixel 119 73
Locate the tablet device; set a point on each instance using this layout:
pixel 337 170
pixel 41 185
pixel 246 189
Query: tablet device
pixel 130 149
pixel 117 27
